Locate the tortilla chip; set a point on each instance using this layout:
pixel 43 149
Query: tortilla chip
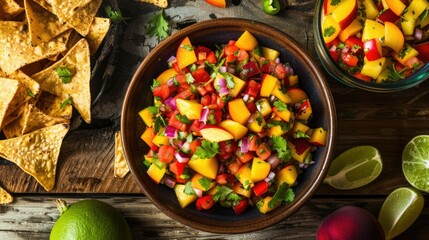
pixel 9 89
pixel 32 87
pixel 36 153
pixel 14 115
pixel 77 60
pixel 15 43
pixel 97 32
pixel 31 120
pixel 66 9
pixel 43 25
pixel 159 3
pixel 5 197
pixel 51 105
pixel 120 166
pixel 9 9
pixel 83 18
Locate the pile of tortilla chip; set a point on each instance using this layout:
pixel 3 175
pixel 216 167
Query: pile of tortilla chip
pixel 45 71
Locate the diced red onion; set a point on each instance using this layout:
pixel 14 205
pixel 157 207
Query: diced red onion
pixel 169 182
pixel 244 145
pixel 333 48
pixel 171 59
pixel 222 69
pixel 221 82
pixel 246 97
pixel 231 70
pixel 198 192
pixel 302 165
pixel 223 91
pixel 345 49
pixel 291 71
pixel 171 102
pixel 181 157
pixel 221 169
pixel 274 161
pixel 277 60
pixel 170 82
pixel 418 33
pixel 272 98
pixel 170 131
pixel 270 177
pixel 204 115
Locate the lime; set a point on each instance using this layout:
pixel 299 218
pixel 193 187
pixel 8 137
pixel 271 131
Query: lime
pixel 400 209
pixel 90 219
pixel 354 168
pixel 415 162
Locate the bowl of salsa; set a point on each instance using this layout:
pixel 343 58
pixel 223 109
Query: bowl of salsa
pixel 228 126
pixel 379 46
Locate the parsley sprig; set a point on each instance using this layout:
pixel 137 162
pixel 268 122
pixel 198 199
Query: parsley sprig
pixel 158 26
pixel 115 15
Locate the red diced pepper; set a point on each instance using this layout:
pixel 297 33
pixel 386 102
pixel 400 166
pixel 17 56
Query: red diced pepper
pixel 251 69
pixel 177 168
pixel 204 202
pixel 240 207
pixel 261 188
pixel 349 59
pixel 162 91
pixel 200 75
pixel 251 106
pixel 252 88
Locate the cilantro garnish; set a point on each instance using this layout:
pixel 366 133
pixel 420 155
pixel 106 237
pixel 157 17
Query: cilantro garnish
pixel 153 110
pixel 205 183
pixel 183 119
pixel 188 189
pixel 114 15
pixel 259 120
pixel 189 78
pixel 300 134
pixel 64 74
pixel 281 106
pixel 158 164
pixel 229 81
pixel 283 125
pixel 155 84
pixel 424 15
pixel 158 26
pixel 280 145
pixel 327 32
pixel 207 149
pixel 403 52
pixel 30 93
pixel 187 47
pixel 66 102
pixel 226 196
pixel 393 75
pixel 283 194
pixel 335 2
pixel 159 122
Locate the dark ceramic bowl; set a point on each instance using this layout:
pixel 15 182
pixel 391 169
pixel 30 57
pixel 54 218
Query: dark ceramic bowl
pixel 209 33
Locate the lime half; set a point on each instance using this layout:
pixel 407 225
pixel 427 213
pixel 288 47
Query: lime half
pixel 415 162
pixel 400 209
pixel 354 168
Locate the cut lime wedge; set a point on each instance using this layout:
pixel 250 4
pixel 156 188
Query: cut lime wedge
pixel 400 209
pixel 415 162
pixel 354 168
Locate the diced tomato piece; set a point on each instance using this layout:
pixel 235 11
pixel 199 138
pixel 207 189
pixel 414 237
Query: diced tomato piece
pixel 263 151
pixel 177 168
pixel 201 90
pixel 362 77
pixel 204 202
pixel 349 59
pixel 240 207
pixel 209 87
pixel 196 127
pixel 280 71
pixel 253 143
pixel 423 49
pixel 200 48
pixel 242 55
pixel 252 88
pixel 200 75
pixel 233 166
pixel 178 70
pixel 400 68
pixel 251 106
pixel 413 63
pixel 206 100
pixel 211 58
pixel 187 94
pixel 230 50
pixel 251 69
pixel 352 41
pixel 228 146
pixel 218 115
pixel 174 122
pixel 244 157
pixel 166 153
pixel 225 178
pixel 194 145
pixel 334 42
pixel 230 59
pixel 261 188
pixel 162 91
pixel 267 66
pixel 231 42
pixel 334 54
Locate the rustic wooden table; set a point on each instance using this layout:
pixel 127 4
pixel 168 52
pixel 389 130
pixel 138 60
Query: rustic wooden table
pixel 85 169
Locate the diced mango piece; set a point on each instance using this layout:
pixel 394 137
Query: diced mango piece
pixel 148 136
pixel 198 181
pixel 299 127
pixel 279 94
pixel 185 54
pixel 183 198
pixel 263 205
pixel 288 175
pixel 330 29
pixel 190 109
pixel 246 41
pixel 260 169
pixel 256 122
pixel 207 167
pixel 166 75
pixel 405 53
pixel 318 137
pixel 156 173
pixel 371 9
pixel 146 117
pixel 159 141
pixel 270 53
pixel 371 30
pixel 238 111
pixel 268 84
pixel 240 190
pixel 263 107
pixel 235 128
pixel 350 30
pixel 243 175
pixel 373 68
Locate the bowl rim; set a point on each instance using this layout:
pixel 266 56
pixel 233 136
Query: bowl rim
pixel 251 25
pixel 346 78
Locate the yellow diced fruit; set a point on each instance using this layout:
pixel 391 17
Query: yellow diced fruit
pixel 243 175
pixel 279 94
pixel 372 29
pixel 183 198
pixel 330 29
pixel 246 41
pixel 269 53
pixel 166 75
pixel 198 181
pixel 288 175
pixel 371 9
pixel 260 170
pixel 263 107
pixel 350 30
pixel 276 131
pixel 397 6
pixel 239 84
pixel 159 141
pixel 373 68
pixel 263 205
pixel 185 54
pixel 236 129
pixel 190 109
pixel 148 136
pixel 207 167
pixel 299 157
pixel 146 117
pixel 156 173
pixel 304 111
pixel 268 84
pixel 293 80
pixel 318 137
pixel 405 53
pixel 238 111
pixel 256 122
pixel 240 190
pixel 284 115
pixel 299 127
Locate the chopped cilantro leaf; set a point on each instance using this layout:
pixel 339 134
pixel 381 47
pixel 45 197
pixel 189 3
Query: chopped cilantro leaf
pixel 183 119
pixel 300 134
pixel 283 125
pixel 64 74
pixel 158 164
pixel 30 93
pixel 66 102
pixel 159 122
pixel 158 26
pixel 226 196
pixel 393 75
pixel 207 149
pixel 280 145
pixel 114 15
pixel 281 106
pixel 283 194
pixel 205 183
pixel 188 189
pixel 335 2
pixel 155 84
pixel 327 32
pixel 153 110
pixel 189 78
pixel 187 47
